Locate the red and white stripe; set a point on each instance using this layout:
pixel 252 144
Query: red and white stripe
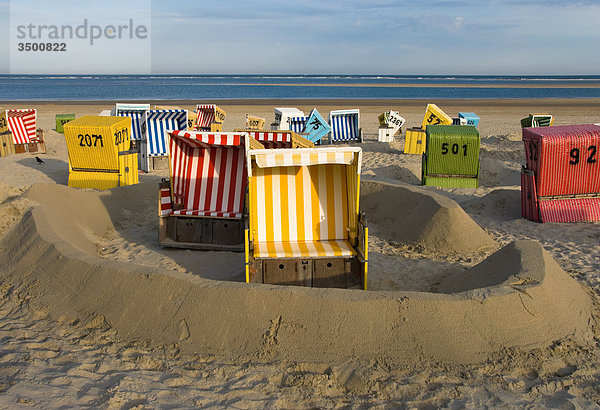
pixel 206 115
pixel 165 206
pixel 272 139
pixel 209 175
pixel 570 210
pixel 22 124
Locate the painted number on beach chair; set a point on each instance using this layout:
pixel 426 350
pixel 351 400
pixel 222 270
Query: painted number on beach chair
pixel 88 140
pixel 431 118
pixel 121 136
pixel 576 152
pixel 2 122
pixel 455 149
pixel 316 124
pixel 190 123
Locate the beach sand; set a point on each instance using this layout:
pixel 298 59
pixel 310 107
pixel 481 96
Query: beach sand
pixel 96 328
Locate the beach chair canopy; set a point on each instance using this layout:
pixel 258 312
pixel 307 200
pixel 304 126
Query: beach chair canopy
pixel 255 123
pixel 537 120
pixel 283 116
pixel 279 139
pixel 208 173
pixel 106 113
pixel 136 113
pixel 470 118
pixel 156 125
pixel 345 125
pixel 435 116
pixel 208 114
pixel 297 124
pixel 22 123
pixel 304 202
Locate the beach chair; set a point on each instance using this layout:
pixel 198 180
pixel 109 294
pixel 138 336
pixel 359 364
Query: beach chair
pixel 470 118
pixel 390 123
pixel 21 123
pixel 153 145
pixel 254 123
pixel 435 116
pixel 345 126
pixel 279 139
pixel 415 141
pixel 316 127
pixel 105 113
pixel 210 117
pixel 136 113
pixel 7 146
pixel 202 205
pixel 61 120
pixel 451 158
pixel 561 179
pixel 283 116
pixel 99 152
pixel 537 120
pixel 304 225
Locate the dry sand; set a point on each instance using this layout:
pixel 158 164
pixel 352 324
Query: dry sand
pixel 95 313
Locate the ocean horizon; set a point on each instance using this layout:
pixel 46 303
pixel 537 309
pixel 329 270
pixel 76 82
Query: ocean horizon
pixel 293 86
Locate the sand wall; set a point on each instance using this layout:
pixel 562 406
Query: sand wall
pixel 527 300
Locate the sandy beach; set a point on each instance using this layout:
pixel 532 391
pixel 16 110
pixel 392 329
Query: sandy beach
pixel 95 313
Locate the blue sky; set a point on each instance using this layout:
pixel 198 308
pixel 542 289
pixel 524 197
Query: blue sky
pixel 355 37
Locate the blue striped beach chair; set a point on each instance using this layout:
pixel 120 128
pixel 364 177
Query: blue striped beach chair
pixel 154 134
pixel 297 124
pixel 136 113
pixel 345 126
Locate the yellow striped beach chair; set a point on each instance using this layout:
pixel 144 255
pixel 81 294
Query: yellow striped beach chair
pixel 304 226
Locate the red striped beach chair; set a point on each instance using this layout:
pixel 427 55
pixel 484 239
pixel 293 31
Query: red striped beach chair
pixel 210 117
pixel 561 179
pixel 202 205
pixel 22 124
pixel 304 227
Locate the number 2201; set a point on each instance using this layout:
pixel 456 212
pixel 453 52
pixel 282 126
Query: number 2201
pixel 575 154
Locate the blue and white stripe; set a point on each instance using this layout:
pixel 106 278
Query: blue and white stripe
pixel 297 124
pixel 157 124
pixel 345 125
pixel 137 117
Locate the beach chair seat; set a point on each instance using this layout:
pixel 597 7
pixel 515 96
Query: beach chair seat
pixel 561 180
pixel 345 126
pixel 304 249
pixel 304 226
pixel 209 117
pixel 202 205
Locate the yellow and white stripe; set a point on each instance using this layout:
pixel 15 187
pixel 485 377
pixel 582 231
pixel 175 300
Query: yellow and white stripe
pixel 305 157
pixel 303 249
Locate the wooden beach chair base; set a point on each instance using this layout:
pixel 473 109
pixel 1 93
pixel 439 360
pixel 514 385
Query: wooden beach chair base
pixel 191 232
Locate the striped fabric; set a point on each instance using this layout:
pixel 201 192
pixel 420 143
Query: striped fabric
pixel 297 124
pixel 302 201
pixel 305 249
pixel 157 124
pixel 165 206
pixel 207 114
pixel 137 118
pixel 345 125
pixel 208 173
pixel 302 157
pixel 570 210
pixel 272 140
pixel 565 159
pixel 22 124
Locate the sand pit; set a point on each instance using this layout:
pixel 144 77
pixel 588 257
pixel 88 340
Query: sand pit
pixel 410 215
pixel 523 298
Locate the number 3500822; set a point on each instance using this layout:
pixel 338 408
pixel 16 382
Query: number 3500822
pixel 42 46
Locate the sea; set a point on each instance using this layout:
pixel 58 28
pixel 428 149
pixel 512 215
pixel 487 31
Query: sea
pixel 206 87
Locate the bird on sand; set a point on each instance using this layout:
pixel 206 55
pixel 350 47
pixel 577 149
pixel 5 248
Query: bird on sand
pixel 39 160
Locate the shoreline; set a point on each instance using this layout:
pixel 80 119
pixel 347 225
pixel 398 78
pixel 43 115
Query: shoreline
pixel 592 101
